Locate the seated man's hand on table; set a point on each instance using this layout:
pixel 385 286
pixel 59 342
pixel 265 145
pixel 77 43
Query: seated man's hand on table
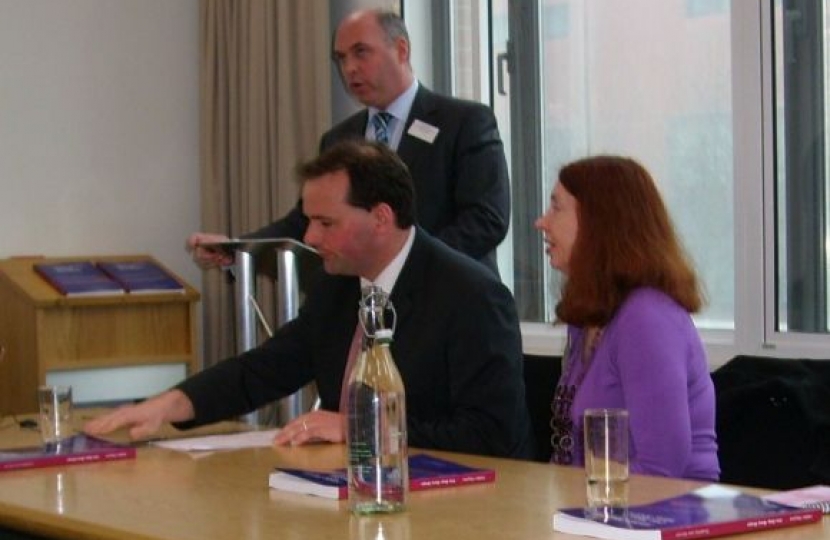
pixel 315 426
pixel 144 419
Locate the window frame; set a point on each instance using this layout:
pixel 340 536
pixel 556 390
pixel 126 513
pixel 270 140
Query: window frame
pixel 768 340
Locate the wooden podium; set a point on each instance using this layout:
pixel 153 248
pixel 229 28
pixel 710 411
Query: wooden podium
pixel 43 331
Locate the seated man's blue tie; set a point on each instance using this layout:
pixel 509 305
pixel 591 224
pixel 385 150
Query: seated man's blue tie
pixel 380 121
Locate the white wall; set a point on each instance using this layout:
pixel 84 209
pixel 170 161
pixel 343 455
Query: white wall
pixel 99 140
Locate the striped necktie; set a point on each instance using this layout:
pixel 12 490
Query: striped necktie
pixel 380 121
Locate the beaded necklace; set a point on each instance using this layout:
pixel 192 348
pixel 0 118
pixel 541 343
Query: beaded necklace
pixel 573 372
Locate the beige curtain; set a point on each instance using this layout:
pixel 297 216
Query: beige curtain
pixel 265 95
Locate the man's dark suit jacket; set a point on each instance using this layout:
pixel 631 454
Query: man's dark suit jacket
pixel 457 345
pixel 461 182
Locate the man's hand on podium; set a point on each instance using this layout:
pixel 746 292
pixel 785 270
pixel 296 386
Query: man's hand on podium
pixel 207 257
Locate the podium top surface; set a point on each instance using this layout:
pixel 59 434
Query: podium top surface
pixel 257 245
pixel 18 273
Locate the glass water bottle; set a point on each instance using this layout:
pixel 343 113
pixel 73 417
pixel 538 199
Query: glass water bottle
pixel 376 435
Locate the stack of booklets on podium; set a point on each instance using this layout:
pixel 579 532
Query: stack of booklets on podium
pixel 704 513
pixel 425 472
pixel 88 278
pixel 75 450
pixel 80 278
pixel 141 277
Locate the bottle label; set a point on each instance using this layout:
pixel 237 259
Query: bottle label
pixel 360 452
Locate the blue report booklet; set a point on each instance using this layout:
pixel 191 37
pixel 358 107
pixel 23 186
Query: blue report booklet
pixel 703 513
pixel 75 450
pixel 78 278
pixel 141 276
pixel 425 472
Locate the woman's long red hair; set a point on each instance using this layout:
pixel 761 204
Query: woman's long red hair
pixel 626 240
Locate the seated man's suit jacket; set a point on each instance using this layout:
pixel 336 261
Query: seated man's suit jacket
pixel 457 345
pixel 461 181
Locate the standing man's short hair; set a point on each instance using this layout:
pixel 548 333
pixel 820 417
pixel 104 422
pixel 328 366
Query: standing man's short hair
pixel 393 26
pixel 390 22
pixel 376 175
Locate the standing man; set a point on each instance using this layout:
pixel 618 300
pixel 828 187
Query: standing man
pixel 457 342
pixel 452 147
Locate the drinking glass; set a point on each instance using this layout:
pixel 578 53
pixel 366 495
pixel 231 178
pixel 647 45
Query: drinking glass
pixel 606 459
pixel 55 413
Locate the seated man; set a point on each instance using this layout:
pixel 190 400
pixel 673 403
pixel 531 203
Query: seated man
pixel 457 342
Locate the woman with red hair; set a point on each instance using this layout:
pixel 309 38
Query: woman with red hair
pixel 627 299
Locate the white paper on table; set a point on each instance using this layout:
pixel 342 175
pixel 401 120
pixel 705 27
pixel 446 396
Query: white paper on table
pixel 211 443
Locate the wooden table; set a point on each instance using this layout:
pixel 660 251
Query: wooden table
pixel 164 494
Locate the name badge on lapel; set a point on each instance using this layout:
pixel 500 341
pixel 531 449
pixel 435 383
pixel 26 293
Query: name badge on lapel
pixel 423 131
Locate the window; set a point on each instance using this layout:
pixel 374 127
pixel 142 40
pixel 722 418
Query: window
pixel 604 85
pixel 724 102
pixel 801 119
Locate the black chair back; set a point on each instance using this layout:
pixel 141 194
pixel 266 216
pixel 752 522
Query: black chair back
pixel 773 421
pixel 541 375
